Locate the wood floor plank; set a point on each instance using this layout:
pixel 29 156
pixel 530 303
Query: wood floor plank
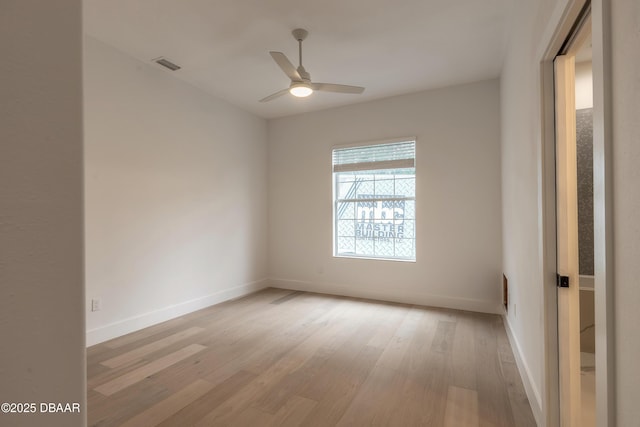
pixel 286 297
pixel 274 398
pixel 343 387
pixel 292 413
pixel 311 378
pixel 423 374
pixel 142 334
pixel 311 321
pixel 342 354
pixel 436 375
pixel 151 368
pixel 194 412
pixel 375 400
pixel 221 314
pixel 504 348
pixel 395 350
pixel 289 362
pixel 169 406
pixel 463 354
pixel 394 316
pixel 111 374
pixel 248 417
pixel 493 400
pixel 428 338
pixel 522 415
pixel 107 411
pixel 462 408
pixel 140 352
pixel 254 353
pixel 443 339
pixel 259 352
pixel 280 358
pixel 251 351
pixel 96 369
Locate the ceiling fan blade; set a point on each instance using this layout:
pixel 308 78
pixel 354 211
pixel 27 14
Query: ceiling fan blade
pixel 275 95
pixel 330 87
pixel 286 66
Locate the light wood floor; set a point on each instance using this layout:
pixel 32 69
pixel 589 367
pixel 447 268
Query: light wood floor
pixel 283 358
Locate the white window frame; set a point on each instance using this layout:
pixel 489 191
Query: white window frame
pixel 371 166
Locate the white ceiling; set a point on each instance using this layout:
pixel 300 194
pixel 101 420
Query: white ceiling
pixel 390 47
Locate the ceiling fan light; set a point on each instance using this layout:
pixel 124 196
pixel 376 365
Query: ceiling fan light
pixel 300 90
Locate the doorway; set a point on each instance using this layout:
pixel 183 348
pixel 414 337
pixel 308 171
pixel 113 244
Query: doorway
pixel 577 201
pixel 574 225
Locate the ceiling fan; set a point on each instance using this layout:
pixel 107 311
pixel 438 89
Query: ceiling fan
pixel 301 84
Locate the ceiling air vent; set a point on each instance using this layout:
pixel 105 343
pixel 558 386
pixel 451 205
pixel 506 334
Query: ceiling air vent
pixel 167 64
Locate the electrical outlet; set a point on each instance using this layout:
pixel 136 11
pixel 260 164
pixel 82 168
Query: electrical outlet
pixel 95 305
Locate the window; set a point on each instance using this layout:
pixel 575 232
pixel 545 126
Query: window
pixel 374 201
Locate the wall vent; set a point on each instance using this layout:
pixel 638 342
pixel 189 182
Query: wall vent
pixel 167 64
pixel 505 292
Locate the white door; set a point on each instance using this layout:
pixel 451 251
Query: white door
pixel 567 242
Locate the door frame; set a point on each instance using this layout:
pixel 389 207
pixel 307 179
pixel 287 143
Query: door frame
pixel 560 25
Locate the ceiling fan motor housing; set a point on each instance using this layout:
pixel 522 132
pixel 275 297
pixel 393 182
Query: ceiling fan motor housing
pixel 300 34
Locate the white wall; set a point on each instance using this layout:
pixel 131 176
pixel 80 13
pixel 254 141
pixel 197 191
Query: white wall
pixel 584 85
pixel 42 353
pixel 625 45
pixel 522 223
pixel 457 191
pixel 176 195
pixel 521 193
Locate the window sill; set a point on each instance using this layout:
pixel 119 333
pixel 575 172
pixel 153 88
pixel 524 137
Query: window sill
pixel 371 258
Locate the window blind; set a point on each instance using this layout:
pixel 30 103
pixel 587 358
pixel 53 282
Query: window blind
pixel 395 155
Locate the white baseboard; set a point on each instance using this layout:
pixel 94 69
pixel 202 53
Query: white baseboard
pixel 392 295
pixel 533 394
pixel 135 323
